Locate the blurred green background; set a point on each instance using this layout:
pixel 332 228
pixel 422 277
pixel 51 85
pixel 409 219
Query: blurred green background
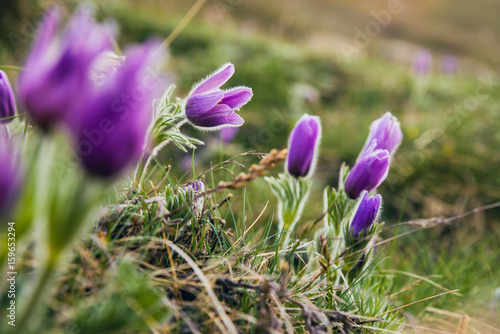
pixel 290 53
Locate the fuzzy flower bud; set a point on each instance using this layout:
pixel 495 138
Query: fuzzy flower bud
pixel 366 214
pixel 58 67
pixel 111 127
pixel 210 108
pixel 369 172
pixel 303 146
pixel 387 132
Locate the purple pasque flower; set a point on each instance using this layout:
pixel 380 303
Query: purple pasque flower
pixel 110 128
pixel 369 172
pixel 366 214
pixel 7 101
pixel 210 108
pixel 422 62
pixel 449 64
pixel 58 66
pixel 303 146
pixel 387 131
pixel 10 176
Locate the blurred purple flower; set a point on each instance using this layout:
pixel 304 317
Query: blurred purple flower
pixel 111 126
pixel 369 172
pixel 210 108
pixel 449 64
pixel 422 62
pixel 303 146
pixel 7 101
pixel 366 214
pixel 387 131
pixel 10 176
pixel 227 134
pixel 58 67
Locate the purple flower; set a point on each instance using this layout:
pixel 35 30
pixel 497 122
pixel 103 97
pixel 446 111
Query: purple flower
pixel 210 108
pixel 369 172
pixel 387 131
pixel 111 126
pixel 422 62
pixel 58 67
pixel 227 134
pixel 449 64
pixel 7 102
pixel 366 214
pixel 303 146
pixel 10 177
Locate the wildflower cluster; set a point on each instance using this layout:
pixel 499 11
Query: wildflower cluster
pixel 352 210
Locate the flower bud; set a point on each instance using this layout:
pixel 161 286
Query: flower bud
pixel 366 214
pixel 7 101
pixel 303 146
pixel 387 132
pixel 57 69
pixel 369 172
pixel 111 127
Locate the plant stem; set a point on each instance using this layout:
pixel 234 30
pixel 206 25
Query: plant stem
pixel 36 295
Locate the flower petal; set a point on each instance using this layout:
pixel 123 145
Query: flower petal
pixel 215 80
pixel 237 97
pixel 366 213
pixel 44 37
pixel 368 173
pixel 197 104
pixel 219 116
